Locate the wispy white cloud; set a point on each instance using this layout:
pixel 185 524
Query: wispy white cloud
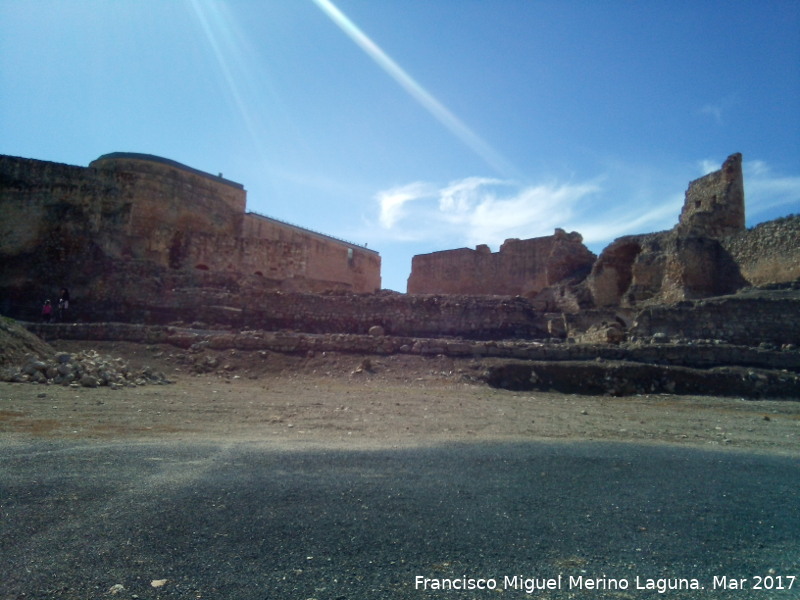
pixel 708 165
pixel 634 217
pixel 460 197
pixel 756 168
pixel 766 190
pixel 714 111
pixel 624 201
pixel 718 109
pixel 478 210
pixel 531 212
pixel 393 201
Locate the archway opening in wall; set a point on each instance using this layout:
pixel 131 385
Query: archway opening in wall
pixel 259 273
pixel 201 267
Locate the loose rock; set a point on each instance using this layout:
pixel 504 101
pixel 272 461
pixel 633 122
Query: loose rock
pixel 86 369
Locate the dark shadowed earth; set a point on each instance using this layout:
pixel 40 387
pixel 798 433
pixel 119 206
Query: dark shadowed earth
pixel 323 477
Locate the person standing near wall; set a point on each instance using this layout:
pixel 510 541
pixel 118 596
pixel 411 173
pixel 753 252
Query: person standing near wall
pixel 47 311
pixel 63 304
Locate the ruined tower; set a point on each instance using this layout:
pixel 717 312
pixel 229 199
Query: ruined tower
pixel 714 204
pixel 686 262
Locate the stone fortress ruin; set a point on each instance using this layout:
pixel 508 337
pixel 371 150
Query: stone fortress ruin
pixel 137 238
pixel 145 239
pixel 157 252
pixel 708 253
pixel 130 219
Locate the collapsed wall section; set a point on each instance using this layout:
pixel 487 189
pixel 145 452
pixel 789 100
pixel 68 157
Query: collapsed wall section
pixel 662 268
pixel 690 261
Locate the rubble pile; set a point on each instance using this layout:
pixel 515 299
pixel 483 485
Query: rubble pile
pixel 84 369
pixel 16 343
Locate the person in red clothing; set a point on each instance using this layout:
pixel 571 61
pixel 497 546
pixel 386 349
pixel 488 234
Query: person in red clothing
pixel 47 311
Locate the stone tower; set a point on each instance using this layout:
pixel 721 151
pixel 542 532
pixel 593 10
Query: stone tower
pixel 714 204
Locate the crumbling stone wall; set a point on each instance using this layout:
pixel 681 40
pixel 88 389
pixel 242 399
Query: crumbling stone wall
pixel 81 228
pixel 738 319
pixel 714 204
pixel 689 368
pixel 769 252
pixel 691 260
pixel 397 314
pixel 520 267
pixel 244 304
pixel 697 355
pixel 612 275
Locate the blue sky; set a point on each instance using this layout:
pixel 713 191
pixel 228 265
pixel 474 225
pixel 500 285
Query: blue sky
pixel 421 125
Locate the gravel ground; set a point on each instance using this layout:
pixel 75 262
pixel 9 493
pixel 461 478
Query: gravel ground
pixel 391 401
pixel 158 521
pixel 267 476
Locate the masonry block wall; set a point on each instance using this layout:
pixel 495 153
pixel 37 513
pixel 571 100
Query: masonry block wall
pixel 738 319
pixel 714 204
pixel 167 205
pixel 691 260
pixel 68 226
pixel 322 261
pixel 769 252
pixel 207 300
pixel 520 267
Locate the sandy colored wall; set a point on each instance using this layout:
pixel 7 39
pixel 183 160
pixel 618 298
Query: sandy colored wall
pixel 321 258
pixel 769 252
pixel 67 226
pixel 520 267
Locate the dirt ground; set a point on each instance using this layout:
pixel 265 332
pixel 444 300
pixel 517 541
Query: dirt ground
pixel 338 400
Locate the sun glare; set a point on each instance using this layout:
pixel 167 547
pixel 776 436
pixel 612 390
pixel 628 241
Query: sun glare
pixel 221 32
pixel 472 140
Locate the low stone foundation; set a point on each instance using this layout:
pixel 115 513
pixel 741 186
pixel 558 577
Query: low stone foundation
pixel 757 317
pixel 475 317
pixel 699 355
pixel 623 369
pixel 620 378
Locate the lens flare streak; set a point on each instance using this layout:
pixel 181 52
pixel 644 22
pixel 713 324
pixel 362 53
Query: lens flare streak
pixel 472 140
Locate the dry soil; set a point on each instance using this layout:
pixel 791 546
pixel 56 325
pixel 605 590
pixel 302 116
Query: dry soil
pixel 339 400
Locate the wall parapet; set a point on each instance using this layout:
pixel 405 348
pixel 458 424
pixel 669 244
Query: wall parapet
pixel 302 229
pixel 114 156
